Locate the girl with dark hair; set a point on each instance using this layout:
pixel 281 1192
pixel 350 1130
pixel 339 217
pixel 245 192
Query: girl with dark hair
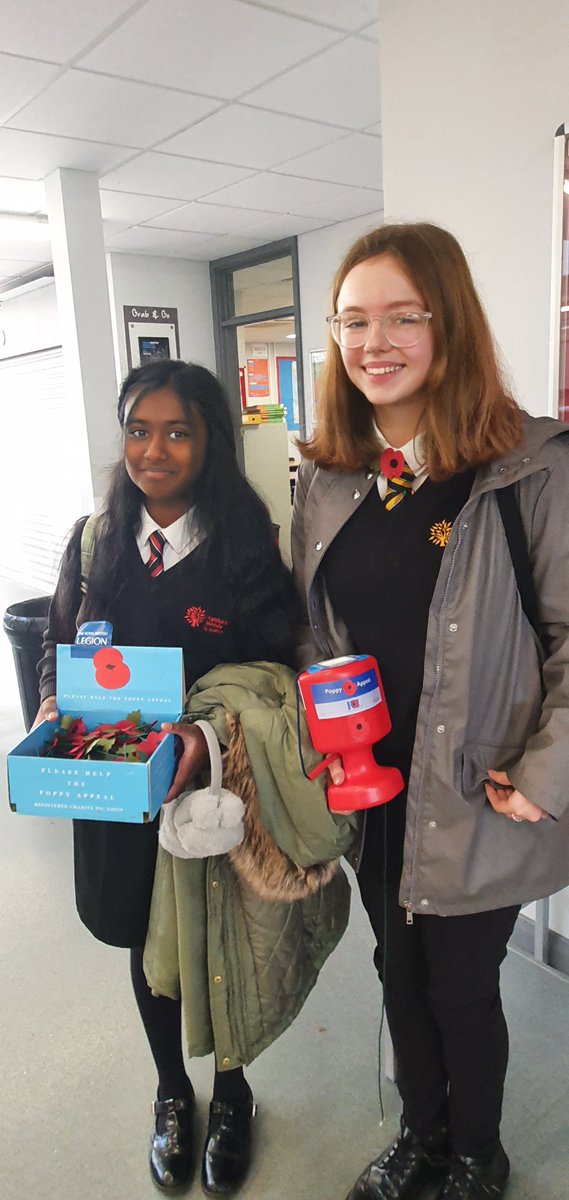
pixel 183 554
pixel 421 473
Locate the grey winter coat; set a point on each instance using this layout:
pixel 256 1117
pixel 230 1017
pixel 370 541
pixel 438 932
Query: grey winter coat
pixel 488 699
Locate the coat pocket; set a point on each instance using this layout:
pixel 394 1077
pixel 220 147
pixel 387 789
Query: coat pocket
pixel 478 758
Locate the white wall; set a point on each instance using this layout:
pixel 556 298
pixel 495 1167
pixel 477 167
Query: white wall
pixel 137 279
pixel 29 322
pixel 319 256
pixel 469 114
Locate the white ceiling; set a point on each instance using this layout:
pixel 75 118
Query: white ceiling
pixel 212 128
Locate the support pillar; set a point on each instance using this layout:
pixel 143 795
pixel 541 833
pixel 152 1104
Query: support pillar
pixel 76 228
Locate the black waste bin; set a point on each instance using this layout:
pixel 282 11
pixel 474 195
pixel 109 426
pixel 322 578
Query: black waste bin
pixel 25 624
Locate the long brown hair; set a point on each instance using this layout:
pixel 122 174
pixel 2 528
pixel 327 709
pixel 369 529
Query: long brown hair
pixel 470 416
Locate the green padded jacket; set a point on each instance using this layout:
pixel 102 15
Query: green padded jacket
pixel 243 963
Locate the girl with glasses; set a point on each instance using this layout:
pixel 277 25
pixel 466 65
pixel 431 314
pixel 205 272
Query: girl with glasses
pixel 401 551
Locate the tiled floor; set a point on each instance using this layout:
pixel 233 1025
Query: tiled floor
pixel 77 1078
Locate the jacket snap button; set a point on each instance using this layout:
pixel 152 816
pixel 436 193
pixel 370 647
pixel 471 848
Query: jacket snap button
pixel 215 883
pixel 356 495
pixel 318 546
pixel 526 460
pixel 432 824
pixel 369 474
pixel 226 1062
pixel 453 626
pixel 501 470
pixel 440 728
pixel 217 979
pixel 424 903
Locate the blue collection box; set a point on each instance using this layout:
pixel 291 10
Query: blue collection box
pixel 102 691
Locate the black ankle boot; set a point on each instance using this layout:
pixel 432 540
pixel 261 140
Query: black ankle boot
pixel 227 1151
pixel 405 1168
pixel 172 1153
pixel 470 1179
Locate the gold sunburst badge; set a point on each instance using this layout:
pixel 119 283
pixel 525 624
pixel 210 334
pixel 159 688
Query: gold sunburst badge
pixel 440 532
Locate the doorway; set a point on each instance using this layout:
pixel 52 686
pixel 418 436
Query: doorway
pixel 258 347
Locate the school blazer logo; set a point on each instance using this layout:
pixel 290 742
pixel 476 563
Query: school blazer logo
pixel 198 618
pixel 440 533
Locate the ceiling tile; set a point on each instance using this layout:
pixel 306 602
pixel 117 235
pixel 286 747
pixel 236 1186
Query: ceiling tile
pixel 330 12
pixel 277 193
pixel 340 86
pixel 83 105
pixel 130 209
pixel 242 135
pixel 111 228
pixel 35 155
pixel 185 178
pixel 351 204
pixel 202 217
pixel 22 196
pixel 371 32
pixel 355 161
pixel 221 247
pixel 144 240
pixel 280 225
pixel 20 80
pixel 56 29
pixel 210 48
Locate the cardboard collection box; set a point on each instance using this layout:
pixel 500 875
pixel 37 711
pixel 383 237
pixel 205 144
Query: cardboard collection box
pixel 102 688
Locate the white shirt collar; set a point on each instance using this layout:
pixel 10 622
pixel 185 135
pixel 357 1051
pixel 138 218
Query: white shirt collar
pixel 179 534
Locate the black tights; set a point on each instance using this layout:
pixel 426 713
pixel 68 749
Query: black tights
pixel 442 999
pixel 162 1020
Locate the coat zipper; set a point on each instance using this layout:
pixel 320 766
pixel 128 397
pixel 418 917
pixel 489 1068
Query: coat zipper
pixel 408 903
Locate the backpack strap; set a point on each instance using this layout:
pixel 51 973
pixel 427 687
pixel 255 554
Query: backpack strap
pixel 87 546
pixel 517 544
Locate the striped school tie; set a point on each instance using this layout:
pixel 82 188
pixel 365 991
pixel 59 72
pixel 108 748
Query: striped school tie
pixel 155 564
pixel 398 488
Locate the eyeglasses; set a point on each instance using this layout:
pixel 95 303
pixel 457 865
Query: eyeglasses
pixel 401 328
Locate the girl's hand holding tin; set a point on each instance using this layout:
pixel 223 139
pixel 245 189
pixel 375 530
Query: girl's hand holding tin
pixel 194 757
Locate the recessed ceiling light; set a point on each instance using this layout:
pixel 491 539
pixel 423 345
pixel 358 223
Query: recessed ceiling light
pixel 24 227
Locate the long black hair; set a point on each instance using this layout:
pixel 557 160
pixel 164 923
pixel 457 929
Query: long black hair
pixel 238 532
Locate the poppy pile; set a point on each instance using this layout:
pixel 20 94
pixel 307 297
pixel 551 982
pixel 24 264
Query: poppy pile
pixel 131 740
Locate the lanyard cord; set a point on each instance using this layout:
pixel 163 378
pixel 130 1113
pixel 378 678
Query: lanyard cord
pixel 383 967
pixel 384 955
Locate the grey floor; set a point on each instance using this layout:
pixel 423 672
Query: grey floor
pixel 77 1080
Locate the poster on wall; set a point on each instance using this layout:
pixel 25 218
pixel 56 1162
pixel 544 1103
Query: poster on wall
pixel 288 388
pixel 258 378
pixel 151 332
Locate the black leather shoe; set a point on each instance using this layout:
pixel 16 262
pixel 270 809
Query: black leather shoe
pixel 469 1179
pixel 227 1151
pixel 404 1169
pixel 172 1156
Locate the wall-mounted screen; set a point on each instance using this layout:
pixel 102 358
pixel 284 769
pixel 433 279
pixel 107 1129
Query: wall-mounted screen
pixel 158 347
